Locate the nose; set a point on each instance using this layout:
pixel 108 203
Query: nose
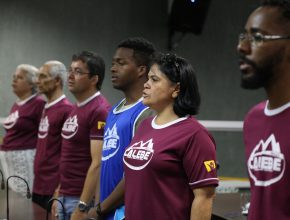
pixel 146 85
pixel 70 75
pixel 113 68
pixel 244 47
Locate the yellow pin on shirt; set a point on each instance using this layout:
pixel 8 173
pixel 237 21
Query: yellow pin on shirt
pixel 209 165
pixel 101 124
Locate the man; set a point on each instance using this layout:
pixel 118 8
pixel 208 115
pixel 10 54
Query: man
pixel 129 70
pixel 49 80
pixel 264 50
pixel 82 135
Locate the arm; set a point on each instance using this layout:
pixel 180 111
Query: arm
pixel 92 180
pixel 114 200
pixel 201 208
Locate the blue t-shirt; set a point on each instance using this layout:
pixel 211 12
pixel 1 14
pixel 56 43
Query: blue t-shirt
pixel 119 131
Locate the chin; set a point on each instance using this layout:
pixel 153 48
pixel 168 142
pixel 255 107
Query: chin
pixel 146 102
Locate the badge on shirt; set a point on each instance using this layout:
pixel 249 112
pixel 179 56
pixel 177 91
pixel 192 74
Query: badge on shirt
pixel 209 165
pixel 101 124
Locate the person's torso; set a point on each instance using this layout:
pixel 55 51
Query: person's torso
pixel 22 124
pixel 266 136
pixel 84 123
pixel 119 131
pixel 46 163
pixel 157 176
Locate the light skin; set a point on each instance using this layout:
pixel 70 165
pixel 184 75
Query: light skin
pixel 47 85
pixel 129 77
pixel 92 179
pixel 80 84
pixel 159 94
pixel 83 86
pixel 21 86
pixel 269 57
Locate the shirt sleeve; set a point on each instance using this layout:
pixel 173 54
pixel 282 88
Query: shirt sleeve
pixel 97 124
pixel 199 160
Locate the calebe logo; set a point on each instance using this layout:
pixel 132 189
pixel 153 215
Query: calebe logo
pixel 139 155
pixel 70 127
pixel 266 164
pixel 43 128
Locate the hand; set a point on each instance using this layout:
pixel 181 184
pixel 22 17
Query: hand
pixel 54 210
pixel 93 214
pixel 77 215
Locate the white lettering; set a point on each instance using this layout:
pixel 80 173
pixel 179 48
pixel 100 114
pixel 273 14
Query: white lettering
pixel 266 163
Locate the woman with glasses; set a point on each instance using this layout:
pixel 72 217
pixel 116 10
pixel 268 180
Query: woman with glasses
pixel 170 165
pixel 18 148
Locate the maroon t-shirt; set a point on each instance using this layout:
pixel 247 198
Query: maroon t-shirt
pixel 46 163
pixel 266 136
pixel 22 124
pixel 163 164
pixel 85 123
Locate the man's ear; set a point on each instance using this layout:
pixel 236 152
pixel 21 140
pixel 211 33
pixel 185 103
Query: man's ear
pixel 95 79
pixel 142 70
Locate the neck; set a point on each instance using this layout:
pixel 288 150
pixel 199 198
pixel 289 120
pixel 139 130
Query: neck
pixel 80 97
pixel 54 95
pixel 134 93
pixel 24 96
pixel 279 92
pixel 166 115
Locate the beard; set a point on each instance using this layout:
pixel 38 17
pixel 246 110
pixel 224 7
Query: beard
pixel 262 74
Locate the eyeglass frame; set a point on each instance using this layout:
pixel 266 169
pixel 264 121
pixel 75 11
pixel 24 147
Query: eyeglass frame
pixel 77 72
pixel 263 38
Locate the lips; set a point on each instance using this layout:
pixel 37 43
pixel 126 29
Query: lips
pixel 114 78
pixel 245 66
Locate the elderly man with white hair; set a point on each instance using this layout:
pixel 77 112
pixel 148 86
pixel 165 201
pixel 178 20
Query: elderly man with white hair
pixel 50 80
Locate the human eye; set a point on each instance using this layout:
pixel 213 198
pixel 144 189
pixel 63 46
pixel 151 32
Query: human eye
pixel 154 78
pixel 258 37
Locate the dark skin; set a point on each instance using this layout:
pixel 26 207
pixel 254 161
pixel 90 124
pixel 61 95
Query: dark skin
pixel 269 21
pixel 129 77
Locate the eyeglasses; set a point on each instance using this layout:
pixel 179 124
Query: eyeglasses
pixel 76 72
pixel 257 39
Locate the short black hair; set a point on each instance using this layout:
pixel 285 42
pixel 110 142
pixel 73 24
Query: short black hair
pixel 95 63
pixel 178 70
pixel 283 4
pixel 144 50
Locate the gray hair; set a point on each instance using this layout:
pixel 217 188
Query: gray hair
pixel 57 69
pixel 30 74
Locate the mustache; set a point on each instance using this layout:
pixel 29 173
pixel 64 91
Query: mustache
pixel 246 60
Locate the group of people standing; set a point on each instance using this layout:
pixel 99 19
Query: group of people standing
pixel 147 157
pixel 85 155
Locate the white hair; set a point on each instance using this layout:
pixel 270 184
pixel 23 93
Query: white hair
pixel 57 69
pixel 30 74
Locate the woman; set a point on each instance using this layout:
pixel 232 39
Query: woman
pixel 170 165
pixel 18 148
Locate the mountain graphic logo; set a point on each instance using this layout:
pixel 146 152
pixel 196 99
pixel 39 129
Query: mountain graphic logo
pixel 139 155
pixel 111 143
pixel 43 128
pixel 70 127
pixel 266 164
pixel 11 120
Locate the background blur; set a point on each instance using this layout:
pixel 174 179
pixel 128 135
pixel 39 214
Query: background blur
pixel 33 31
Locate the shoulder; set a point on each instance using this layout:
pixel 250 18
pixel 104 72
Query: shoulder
pixel 256 110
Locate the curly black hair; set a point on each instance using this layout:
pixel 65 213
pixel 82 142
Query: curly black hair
pixel 283 4
pixel 144 50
